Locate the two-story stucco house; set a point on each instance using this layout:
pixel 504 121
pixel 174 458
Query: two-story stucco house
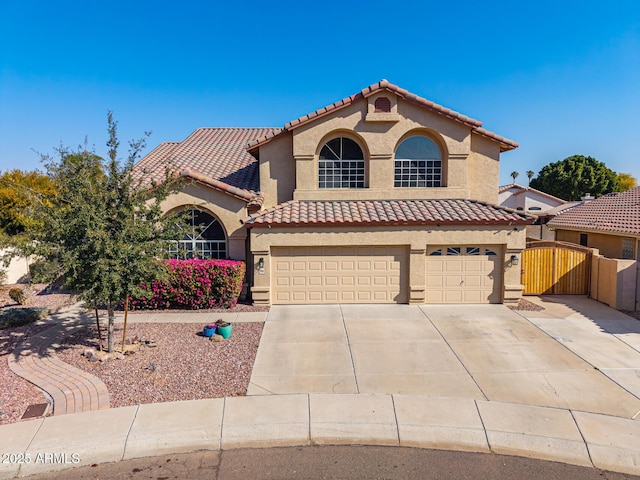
pixel 382 197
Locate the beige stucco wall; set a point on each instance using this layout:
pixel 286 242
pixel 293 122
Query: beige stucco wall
pixel 615 282
pixel 227 209
pixel 468 173
pixel 609 245
pixel 540 232
pixel 416 240
pixel 483 169
pixel 277 170
pixel 17 270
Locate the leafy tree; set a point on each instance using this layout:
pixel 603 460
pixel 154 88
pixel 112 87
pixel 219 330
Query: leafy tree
pixel 102 226
pixel 626 181
pixel 530 174
pixel 575 176
pixel 19 191
pixel 514 175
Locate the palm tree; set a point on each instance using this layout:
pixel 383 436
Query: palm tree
pixel 530 174
pixel 514 175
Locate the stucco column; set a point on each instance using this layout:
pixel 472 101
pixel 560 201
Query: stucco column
pixel 457 170
pixel 306 177
pixel 381 171
pixel 261 290
pixel 417 271
pixel 512 276
pixel 236 245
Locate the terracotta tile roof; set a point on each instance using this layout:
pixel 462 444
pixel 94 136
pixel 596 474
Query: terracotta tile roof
pixel 210 154
pixel 387 212
pixel 254 199
pixel 475 125
pixel 615 212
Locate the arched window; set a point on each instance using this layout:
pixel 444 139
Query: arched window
pixel 341 164
pixel 202 237
pixel 418 163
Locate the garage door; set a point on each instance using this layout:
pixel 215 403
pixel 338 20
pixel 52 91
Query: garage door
pixel 339 275
pixel 464 274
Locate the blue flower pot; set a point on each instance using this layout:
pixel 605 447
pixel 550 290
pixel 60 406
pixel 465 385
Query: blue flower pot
pixel 224 331
pixel 208 332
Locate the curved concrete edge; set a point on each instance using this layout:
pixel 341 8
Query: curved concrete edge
pixel 66 441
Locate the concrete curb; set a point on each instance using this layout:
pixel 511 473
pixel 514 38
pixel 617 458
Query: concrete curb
pixel 579 438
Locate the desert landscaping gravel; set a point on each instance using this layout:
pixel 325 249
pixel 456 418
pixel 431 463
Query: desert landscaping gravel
pixel 183 366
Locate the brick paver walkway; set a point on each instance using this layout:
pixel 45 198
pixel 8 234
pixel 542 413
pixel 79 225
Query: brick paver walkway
pixel 72 390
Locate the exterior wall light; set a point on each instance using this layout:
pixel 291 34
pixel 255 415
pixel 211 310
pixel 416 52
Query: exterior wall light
pixel 514 260
pixel 261 263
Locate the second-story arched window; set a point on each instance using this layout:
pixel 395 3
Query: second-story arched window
pixel 418 163
pixel 341 164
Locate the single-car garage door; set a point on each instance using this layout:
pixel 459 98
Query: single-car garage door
pixel 339 275
pixel 464 274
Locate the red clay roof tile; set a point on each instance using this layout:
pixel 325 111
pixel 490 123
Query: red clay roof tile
pixel 615 213
pixel 387 212
pixel 216 156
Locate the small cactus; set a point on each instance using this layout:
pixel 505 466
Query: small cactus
pixel 18 295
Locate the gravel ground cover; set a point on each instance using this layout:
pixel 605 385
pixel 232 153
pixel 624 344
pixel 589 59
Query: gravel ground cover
pixel 183 366
pixel 526 306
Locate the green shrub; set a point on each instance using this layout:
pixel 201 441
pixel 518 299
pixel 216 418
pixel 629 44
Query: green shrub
pixel 44 271
pixel 194 284
pixel 17 295
pixel 16 317
pixel 3 276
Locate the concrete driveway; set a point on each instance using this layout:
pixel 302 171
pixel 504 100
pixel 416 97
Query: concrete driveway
pixel 575 354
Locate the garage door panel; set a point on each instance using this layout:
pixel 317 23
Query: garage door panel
pixel 453 280
pixel 340 274
pixel 473 281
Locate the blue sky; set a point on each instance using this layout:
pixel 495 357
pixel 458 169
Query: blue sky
pixel 560 77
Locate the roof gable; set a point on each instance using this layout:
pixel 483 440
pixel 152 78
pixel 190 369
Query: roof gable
pixel 613 213
pixel 516 189
pixel 384 85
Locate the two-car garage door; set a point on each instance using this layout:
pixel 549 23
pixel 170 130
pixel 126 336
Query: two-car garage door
pixel 454 274
pixel 339 275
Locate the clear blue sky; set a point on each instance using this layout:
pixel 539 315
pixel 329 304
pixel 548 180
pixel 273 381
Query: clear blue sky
pixel 560 77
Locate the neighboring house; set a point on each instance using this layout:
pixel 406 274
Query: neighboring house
pixel 530 200
pixel 527 199
pixel 610 223
pixel 382 197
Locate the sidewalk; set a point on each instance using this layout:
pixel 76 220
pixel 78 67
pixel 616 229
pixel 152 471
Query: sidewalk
pixel 579 438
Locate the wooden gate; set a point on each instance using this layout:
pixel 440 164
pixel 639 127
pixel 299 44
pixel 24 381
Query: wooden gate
pixel 556 268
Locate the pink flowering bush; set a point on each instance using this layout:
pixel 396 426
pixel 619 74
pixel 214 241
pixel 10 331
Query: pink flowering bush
pixel 193 284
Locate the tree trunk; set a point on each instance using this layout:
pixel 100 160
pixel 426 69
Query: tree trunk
pixel 95 304
pixel 110 326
